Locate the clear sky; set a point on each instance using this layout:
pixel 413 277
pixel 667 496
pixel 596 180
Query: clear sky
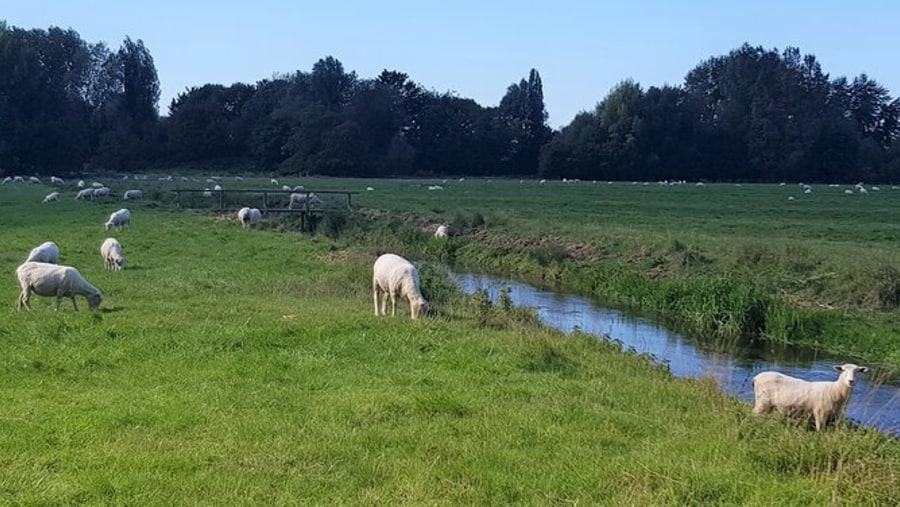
pixel 477 48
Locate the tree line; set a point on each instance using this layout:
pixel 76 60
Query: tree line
pixel 67 105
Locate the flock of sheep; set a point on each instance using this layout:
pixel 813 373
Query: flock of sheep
pixel 394 277
pixel 41 274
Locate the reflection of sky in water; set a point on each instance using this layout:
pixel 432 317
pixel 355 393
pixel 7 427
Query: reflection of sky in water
pixel 870 404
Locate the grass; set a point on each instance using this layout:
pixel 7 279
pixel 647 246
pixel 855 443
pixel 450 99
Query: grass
pixel 245 367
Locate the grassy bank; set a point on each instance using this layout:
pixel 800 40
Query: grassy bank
pixel 246 367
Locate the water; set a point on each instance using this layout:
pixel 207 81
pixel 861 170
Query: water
pixel 872 404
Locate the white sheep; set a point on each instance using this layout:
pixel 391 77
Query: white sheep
pixel 100 192
pixel 7 180
pixel 49 280
pixel 97 184
pixel 56 181
pixel 300 201
pixel 286 188
pixel 395 276
pixel 18 179
pixel 217 188
pixel 111 252
pixel 248 216
pixel 84 193
pixel 52 196
pixel 274 181
pixel 207 192
pixel 35 180
pixel 821 401
pixel 133 194
pixel 442 232
pixel 80 183
pixel 45 252
pixel 118 219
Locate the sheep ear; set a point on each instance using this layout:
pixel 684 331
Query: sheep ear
pixel 838 367
pixel 863 369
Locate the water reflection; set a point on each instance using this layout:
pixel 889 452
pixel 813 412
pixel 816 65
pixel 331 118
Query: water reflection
pixel 872 404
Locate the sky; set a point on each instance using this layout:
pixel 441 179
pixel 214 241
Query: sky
pixel 476 49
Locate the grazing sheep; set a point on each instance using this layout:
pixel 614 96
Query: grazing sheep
pixel 100 192
pixel 56 181
pixel 217 188
pixel 118 219
pixel 18 179
pixel 97 184
pixel 35 180
pixel 297 188
pixel 442 232
pixel 84 193
pixel 133 194
pixel 435 187
pixel 249 216
pixel 45 252
pixel 49 280
pixel 111 252
pixel 299 201
pixel 286 188
pixel 395 276
pixel 274 181
pixel 52 196
pixel 369 189
pixel 7 180
pixel 823 402
pixel 80 183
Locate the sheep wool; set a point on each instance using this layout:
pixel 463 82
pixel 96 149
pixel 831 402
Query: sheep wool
pixel 395 276
pixel 111 252
pixel 47 252
pixel 822 402
pixel 118 219
pixel 49 280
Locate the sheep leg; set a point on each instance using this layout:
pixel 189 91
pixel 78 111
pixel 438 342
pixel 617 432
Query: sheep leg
pixel 74 304
pixel 23 299
pixel 393 304
pixel 375 297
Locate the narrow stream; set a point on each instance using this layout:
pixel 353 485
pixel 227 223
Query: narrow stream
pixel 872 404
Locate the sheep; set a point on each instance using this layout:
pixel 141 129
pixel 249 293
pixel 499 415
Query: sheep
pixel 217 188
pixel 18 179
pixel 100 192
pixel 111 252
pixel 133 194
pixel 84 193
pixel 442 232
pixel 97 184
pixel 7 180
pixel 35 180
pixel 309 200
pixel 822 401
pixel 48 280
pixel 52 196
pixel 118 219
pixel 248 216
pixel 370 189
pixel 80 183
pixel 56 181
pixel 207 192
pixel 286 188
pixel 45 252
pixel 395 276
pixel 274 181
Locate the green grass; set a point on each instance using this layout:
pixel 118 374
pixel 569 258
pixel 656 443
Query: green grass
pixel 245 367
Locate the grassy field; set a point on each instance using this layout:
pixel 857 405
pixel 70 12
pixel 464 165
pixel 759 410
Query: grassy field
pixel 230 366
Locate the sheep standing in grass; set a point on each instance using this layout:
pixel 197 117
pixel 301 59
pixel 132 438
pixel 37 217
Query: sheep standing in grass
pixel 111 251
pixel 118 219
pixel 442 232
pixel 52 196
pixel 84 194
pixel 248 216
pixel 56 181
pixel 100 192
pixel 49 280
pixel 45 252
pixel 395 276
pixel 133 194
pixel 823 402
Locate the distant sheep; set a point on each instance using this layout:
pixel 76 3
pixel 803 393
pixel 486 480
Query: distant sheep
pixel 35 180
pixel 207 192
pixel 133 194
pixel 249 216
pixel 97 184
pixel 217 188
pixel 118 219
pixel 274 181
pixel 300 201
pixel 52 196
pixel 80 183
pixel 49 280
pixel 442 232
pixel 56 181
pixel 18 179
pixel 100 192
pixel 394 276
pixel 85 193
pixel 822 402
pixel 7 180
pixel 111 252
pixel 45 252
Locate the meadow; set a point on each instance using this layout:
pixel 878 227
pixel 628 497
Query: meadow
pixel 232 366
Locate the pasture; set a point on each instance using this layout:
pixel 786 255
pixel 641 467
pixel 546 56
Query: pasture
pixel 232 366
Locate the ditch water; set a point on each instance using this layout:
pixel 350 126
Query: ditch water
pixel 872 403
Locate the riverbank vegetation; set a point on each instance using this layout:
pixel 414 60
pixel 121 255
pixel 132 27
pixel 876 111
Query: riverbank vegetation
pixel 245 366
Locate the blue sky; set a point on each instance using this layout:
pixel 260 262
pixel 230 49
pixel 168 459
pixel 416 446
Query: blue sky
pixel 477 48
